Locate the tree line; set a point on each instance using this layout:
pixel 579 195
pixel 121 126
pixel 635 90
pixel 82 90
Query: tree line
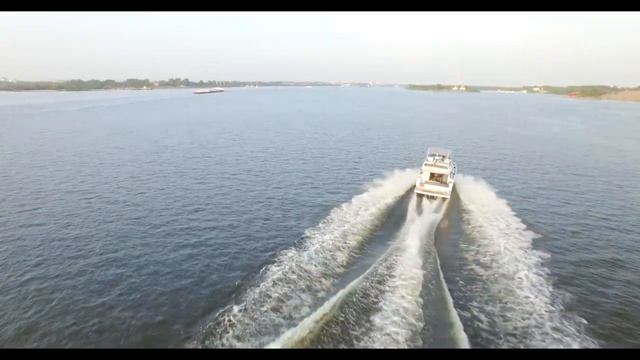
pixel 84 85
pixel 579 90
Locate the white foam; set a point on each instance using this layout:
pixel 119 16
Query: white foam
pixel 400 319
pixel 398 277
pixel 400 315
pixel 300 276
pixel 294 335
pixel 457 330
pixel 516 301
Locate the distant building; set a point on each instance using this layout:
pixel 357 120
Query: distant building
pixel 462 88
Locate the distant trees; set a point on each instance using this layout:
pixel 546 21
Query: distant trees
pixel 93 84
pixel 439 87
pixel 580 91
pixel 110 84
pixel 137 83
pixel 76 85
pixel 436 87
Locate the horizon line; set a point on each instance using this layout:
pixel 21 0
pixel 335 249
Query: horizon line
pixel 6 79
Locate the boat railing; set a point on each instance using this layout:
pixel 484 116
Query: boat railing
pixel 454 170
pixel 437 161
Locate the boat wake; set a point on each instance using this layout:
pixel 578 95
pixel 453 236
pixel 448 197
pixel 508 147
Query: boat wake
pixel 512 301
pixel 402 299
pixel 399 318
pixel 382 307
pixel 457 333
pixel 302 276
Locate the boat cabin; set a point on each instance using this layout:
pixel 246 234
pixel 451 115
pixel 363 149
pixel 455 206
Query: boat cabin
pixel 437 166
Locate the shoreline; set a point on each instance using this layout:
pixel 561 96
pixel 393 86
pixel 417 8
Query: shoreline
pixel 92 90
pixel 631 95
pixel 621 96
pixel 154 89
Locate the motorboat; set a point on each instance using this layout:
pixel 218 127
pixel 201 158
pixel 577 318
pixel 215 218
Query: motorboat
pixel 437 174
pixel 209 91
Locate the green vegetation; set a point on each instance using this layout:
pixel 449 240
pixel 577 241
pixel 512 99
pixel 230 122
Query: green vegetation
pixel 137 84
pixel 437 87
pixel 578 91
pixel 74 85
pixel 440 87
pixel 583 91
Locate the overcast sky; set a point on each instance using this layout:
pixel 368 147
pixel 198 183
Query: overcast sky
pixel 472 48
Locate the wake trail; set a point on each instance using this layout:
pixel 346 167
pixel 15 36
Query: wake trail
pixel 288 289
pixel 382 307
pixel 457 329
pixel 399 319
pixel 513 301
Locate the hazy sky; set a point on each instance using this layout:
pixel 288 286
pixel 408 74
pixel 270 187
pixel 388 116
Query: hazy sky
pixel 439 47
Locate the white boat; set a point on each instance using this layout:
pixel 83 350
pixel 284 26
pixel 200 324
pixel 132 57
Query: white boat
pixel 437 174
pixel 209 91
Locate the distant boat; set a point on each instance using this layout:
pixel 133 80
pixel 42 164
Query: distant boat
pixel 209 91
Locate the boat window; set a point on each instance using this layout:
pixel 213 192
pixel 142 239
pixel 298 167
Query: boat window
pixel 436 177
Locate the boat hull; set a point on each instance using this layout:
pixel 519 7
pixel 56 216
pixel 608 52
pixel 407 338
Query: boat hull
pixel 210 91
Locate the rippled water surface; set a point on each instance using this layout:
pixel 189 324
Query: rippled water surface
pixel 285 217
